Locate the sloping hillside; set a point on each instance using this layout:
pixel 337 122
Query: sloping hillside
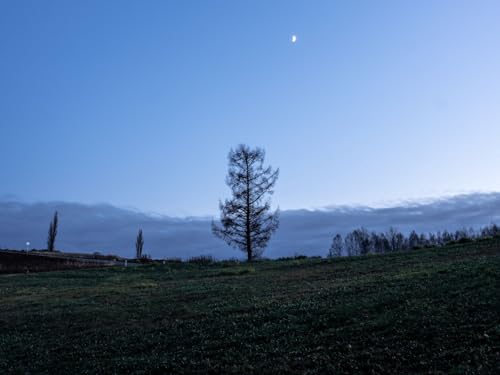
pixel 418 312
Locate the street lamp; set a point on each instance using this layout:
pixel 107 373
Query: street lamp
pixel 27 246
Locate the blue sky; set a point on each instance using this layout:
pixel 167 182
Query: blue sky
pixel 137 104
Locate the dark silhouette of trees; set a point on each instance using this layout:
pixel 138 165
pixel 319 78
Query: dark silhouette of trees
pixel 379 243
pixel 362 238
pixel 413 240
pixel 246 220
pixel 51 239
pixel 336 247
pixel 361 242
pixel 447 237
pixel 139 244
pixel 351 245
pixel 396 239
pixel 491 231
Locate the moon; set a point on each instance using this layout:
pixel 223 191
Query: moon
pixel 294 38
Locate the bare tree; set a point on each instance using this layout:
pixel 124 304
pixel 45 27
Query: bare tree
pixel 51 239
pixel 396 239
pixel 139 244
pixel 380 244
pixel 362 237
pixel 414 240
pixel 247 222
pixel 423 240
pixel 336 247
pixel 351 245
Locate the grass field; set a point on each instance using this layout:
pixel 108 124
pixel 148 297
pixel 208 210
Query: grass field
pixel 426 311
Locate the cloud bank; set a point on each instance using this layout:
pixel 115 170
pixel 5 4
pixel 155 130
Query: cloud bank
pixel 109 229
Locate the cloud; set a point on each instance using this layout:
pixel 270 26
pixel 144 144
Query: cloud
pixel 109 229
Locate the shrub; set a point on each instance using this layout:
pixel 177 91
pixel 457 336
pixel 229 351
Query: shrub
pixel 202 259
pixel 172 260
pixel 145 258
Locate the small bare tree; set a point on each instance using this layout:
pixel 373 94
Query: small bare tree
pixel 139 244
pixel 413 240
pixel 246 220
pixel 336 247
pixel 51 239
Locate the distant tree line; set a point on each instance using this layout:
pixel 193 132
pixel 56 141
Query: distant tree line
pixel 362 242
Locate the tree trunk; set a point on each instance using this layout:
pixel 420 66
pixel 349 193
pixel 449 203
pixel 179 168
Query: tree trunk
pixel 248 234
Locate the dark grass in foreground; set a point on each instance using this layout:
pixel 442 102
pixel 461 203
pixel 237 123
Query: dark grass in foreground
pixel 418 312
pixel 26 262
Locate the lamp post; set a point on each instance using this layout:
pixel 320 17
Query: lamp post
pixel 27 246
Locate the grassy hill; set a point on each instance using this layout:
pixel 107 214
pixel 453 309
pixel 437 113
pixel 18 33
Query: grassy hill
pixel 425 311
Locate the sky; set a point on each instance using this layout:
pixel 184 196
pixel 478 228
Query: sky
pixel 137 104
